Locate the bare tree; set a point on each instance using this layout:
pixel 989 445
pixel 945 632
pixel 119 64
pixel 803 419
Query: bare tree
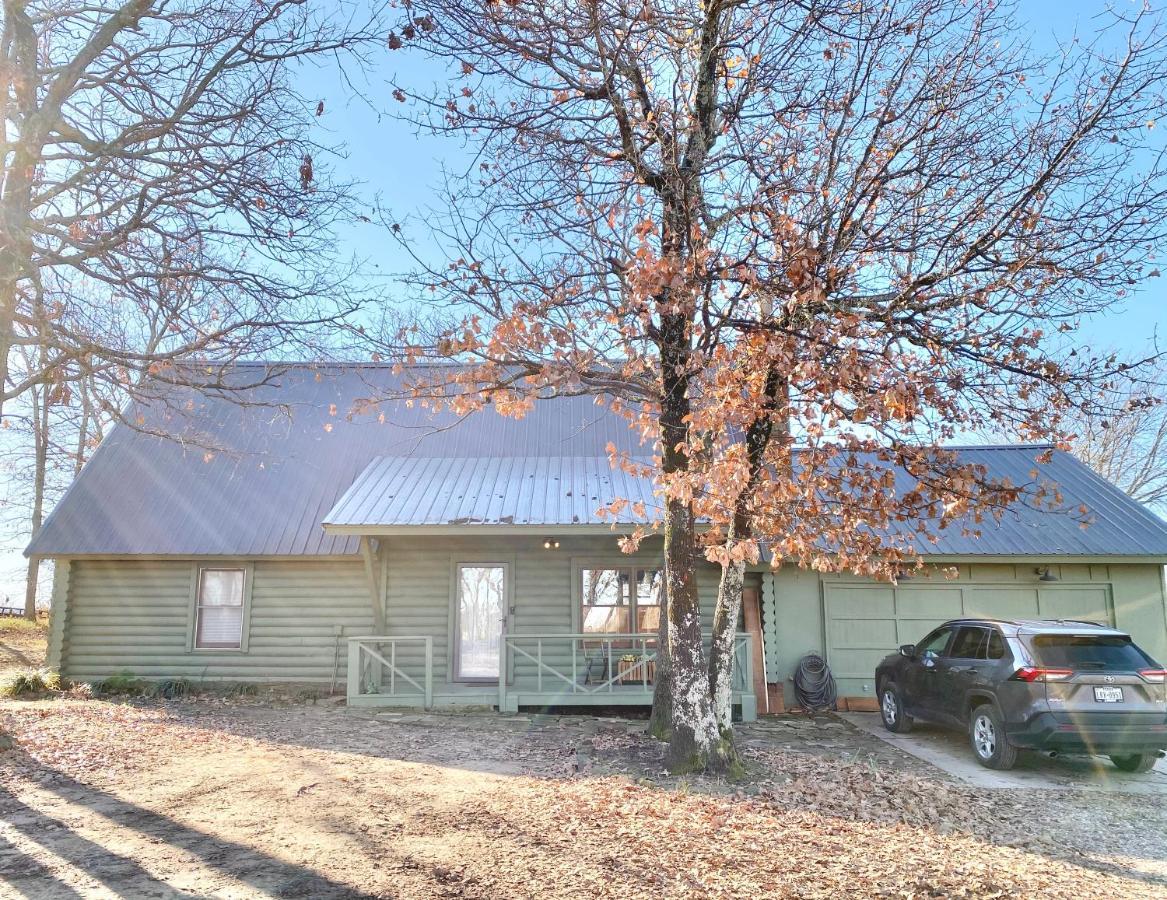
pixel 163 192
pixel 48 434
pixel 1127 445
pixel 864 226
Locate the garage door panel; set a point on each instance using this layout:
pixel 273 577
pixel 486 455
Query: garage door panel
pixel 856 663
pixel 867 623
pixel 861 601
pixel 928 603
pixel 1088 603
pixel 863 633
pixel 1001 603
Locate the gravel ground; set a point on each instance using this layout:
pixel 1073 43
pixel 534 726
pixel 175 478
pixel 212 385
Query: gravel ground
pixel 256 799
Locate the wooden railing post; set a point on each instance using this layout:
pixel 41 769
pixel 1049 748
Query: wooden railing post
pixel 353 688
pixel 502 669
pixel 429 672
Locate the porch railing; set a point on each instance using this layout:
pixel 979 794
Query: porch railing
pixel 593 665
pixel 377 666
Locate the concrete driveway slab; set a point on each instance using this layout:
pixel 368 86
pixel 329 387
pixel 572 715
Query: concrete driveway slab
pixel 949 751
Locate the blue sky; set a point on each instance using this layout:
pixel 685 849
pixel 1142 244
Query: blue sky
pixel 400 169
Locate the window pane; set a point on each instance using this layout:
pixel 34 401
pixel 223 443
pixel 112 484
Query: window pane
pixel 968 644
pixel 481 608
pixel 606 587
pixel 650 586
pixel 606 596
pixel 221 587
pixel 1097 652
pixel 935 642
pixel 996 645
pixel 647 618
pixel 220 627
pixel 606 619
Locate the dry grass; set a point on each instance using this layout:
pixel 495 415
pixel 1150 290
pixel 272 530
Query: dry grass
pixel 23 643
pixel 230 798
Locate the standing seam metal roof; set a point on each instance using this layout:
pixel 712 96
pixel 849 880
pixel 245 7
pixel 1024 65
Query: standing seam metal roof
pixel 258 478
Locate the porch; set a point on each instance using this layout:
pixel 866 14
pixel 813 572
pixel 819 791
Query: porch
pixel 552 669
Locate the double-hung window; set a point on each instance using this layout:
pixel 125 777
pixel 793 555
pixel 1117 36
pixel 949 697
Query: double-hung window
pixel 219 609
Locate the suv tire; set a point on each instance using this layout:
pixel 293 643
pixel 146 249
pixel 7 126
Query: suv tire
pixel 1135 762
pixel 891 710
pixel 986 733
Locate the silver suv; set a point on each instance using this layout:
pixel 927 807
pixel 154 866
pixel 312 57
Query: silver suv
pixel 1053 686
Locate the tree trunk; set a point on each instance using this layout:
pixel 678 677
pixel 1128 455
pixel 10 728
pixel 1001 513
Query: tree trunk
pixel 721 652
pixel 660 723
pixel 729 594
pixel 694 742
pixel 40 425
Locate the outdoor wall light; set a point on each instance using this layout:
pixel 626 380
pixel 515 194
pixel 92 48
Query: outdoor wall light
pixel 550 544
pixel 1044 574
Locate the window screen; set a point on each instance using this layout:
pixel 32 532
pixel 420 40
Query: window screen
pixel 219 616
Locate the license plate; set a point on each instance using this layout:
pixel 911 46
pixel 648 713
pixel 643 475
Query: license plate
pixel 1108 695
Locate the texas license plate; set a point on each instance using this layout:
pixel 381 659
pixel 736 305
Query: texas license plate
pixel 1108 695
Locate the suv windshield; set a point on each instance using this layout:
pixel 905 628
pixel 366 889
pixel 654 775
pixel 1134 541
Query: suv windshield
pixel 1082 651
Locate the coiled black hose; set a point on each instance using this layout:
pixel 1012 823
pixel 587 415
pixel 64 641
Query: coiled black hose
pixel 814 685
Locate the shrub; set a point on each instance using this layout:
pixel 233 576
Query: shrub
pixel 121 684
pixel 30 683
pixel 174 688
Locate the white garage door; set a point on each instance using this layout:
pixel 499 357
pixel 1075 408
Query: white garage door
pixel 865 622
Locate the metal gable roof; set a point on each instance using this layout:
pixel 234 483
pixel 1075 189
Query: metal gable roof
pixel 1118 525
pixel 279 463
pixel 262 477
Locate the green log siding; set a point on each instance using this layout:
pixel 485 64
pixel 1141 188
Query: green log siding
pixel 136 616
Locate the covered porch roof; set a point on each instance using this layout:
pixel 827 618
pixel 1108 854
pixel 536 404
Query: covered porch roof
pixel 507 494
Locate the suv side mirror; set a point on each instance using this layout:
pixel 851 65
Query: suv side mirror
pixel 908 650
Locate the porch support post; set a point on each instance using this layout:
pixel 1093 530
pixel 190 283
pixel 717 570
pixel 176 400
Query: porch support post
pixel 370 556
pixel 751 612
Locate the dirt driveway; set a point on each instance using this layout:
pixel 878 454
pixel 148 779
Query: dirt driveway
pixel 216 799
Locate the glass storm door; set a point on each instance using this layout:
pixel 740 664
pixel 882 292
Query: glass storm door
pixel 481 608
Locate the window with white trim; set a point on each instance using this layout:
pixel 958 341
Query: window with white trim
pixel 219 610
pixel 619 600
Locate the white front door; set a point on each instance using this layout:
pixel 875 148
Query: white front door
pixel 481 608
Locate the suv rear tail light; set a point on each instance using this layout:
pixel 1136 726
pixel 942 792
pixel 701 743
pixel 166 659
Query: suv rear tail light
pixel 1034 673
pixel 1155 676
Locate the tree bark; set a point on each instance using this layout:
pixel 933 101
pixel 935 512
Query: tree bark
pixel 694 742
pixel 40 426
pixel 660 723
pixel 721 651
pixel 729 594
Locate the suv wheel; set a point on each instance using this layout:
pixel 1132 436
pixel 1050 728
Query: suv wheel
pixel 891 710
pixel 1136 762
pixel 986 733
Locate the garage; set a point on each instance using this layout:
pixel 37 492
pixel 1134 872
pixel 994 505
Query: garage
pixel 866 621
